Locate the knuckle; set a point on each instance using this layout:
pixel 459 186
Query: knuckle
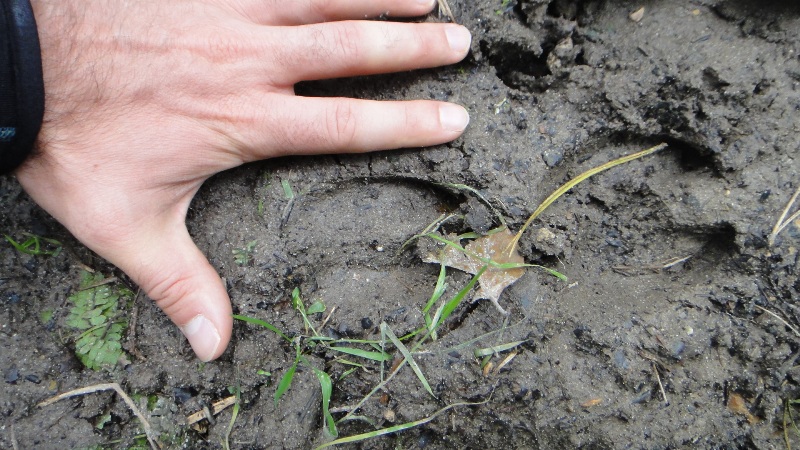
pixel 169 291
pixel 346 38
pixel 341 125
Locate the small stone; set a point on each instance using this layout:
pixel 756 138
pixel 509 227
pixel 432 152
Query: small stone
pixel 33 378
pixel 552 157
pixel 12 375
pixel 181 395
pixel 389 415
pixel 366 323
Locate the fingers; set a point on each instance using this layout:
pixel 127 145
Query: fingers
pixel 167 264
pixel 302 125
pixel 344 49
pixel 300 12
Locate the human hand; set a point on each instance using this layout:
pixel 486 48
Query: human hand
pixel 146 99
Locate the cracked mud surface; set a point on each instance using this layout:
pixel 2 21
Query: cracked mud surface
pixel 554 88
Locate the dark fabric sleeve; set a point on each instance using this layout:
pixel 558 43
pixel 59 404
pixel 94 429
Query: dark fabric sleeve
pixel 21 84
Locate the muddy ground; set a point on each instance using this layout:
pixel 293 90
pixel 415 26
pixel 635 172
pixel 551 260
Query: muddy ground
pixel 625 354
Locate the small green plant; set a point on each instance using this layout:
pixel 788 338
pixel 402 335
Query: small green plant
pixel 96 314
pixel 36 245
pixel 503 7
pixel 243 256
pixel 301 347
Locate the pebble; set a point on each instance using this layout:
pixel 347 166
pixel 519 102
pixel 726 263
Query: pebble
pixel 12 375
pixel 366 323
pixel 13 298
pixel 181 395
pixel 552 157
pixel 33 378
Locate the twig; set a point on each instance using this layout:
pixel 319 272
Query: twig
pixel 781 224
pixel 102 282
pixel 660 386
pixel 216 408
pixel 153 440
pixel 797 333
pixel 131 341
pixel 14 444
pixel 629 271
pixel 444 10
pixel 325 322
pixel 505 362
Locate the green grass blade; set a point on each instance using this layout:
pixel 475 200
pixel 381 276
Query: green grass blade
pixel 326 385
pixel 366 354
pixel 451 306
pixel 287 189
pixel 260 322
pixel 552 272
pixel 407 355
pixel 481 352
pixel 575 181
pixel 286 381
pixel 226 442
pixel 346 373
pixel 396 428
pixel 438 291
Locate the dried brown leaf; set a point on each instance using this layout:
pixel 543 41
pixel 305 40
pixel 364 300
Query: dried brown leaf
pixel 491 247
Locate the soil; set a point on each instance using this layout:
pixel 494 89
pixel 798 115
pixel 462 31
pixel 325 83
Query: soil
pixel 628 353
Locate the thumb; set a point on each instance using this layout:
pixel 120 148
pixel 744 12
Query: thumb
pixel 167 264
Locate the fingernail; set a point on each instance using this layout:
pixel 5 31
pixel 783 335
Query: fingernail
pixel 453 117
pixel 458 37
pixel 203 337
pixel 428 3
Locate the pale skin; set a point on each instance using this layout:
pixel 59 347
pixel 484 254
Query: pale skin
pixel 146 99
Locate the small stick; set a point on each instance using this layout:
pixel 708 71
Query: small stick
pixel 325 322
pixel 154 443
pixel 102 282
pixel 660 386
pixel 216 408
pixel 444 10
pixel 505 362
pixel 14 438
pixel 781 223
pixel 780 319
pixel 131 341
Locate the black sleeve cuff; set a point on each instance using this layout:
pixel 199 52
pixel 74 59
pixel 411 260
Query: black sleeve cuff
pixel 21 83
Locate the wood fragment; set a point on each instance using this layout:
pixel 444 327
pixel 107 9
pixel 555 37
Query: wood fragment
pixel 325 322
pixel 151 437
pixel 487 368
pixel 102 282
pixel 630 271
pixel 591 402
pixel 216 408
pixel 660 385
pixel 637 15
pixel 505 362
pixel 737 405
